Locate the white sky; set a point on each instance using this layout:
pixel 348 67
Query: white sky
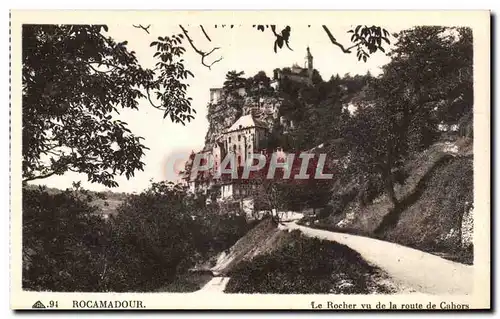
pixel 243 49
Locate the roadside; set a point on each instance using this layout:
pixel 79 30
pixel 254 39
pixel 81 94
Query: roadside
pixel 424 272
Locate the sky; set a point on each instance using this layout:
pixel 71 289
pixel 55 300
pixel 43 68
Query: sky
pixel 242 48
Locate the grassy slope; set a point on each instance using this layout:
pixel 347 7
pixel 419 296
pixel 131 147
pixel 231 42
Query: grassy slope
pixel 303 265
pixel 265 237
pixel 433 221
pixel 433 199
pixel 189 282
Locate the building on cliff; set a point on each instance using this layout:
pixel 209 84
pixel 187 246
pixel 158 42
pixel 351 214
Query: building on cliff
pixel 246 135
pixel 296 73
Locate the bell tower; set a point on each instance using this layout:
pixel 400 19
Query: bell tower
pixel 309 59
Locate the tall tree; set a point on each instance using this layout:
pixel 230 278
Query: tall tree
pixel 74 80
pixel 400 111
pixel 234 81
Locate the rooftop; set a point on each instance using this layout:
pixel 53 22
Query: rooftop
pixel 246 121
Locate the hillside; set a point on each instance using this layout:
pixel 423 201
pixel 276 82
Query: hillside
pixel 263 238
pixel 107 202
pixel 435 205
pixel 272 259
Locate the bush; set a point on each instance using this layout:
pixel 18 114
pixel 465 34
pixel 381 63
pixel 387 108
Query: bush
pixel 154 238
pixel 304 266
pixel 63 240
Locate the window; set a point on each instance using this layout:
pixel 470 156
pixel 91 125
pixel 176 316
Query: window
pixel 240 126
pixel 229 140
pixel 239 138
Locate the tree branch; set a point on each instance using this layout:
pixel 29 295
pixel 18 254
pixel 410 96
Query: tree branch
pixel 90 65
pixel 38 177
pixel 105 64
pixel 140 26
pixel 201 53
pixel 205 33
pixel 150 101
pixel 334 41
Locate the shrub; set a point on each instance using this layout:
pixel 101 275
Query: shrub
pixel 153 238
pixel 304 266
pixel 63 240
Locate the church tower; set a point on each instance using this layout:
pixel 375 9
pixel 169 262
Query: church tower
pixel 310 68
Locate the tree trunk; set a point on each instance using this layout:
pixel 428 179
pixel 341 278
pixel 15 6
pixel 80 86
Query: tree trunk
pixel 388 177
pixel 389 189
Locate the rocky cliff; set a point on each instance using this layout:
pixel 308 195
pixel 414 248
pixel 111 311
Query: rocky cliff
pixel 223 113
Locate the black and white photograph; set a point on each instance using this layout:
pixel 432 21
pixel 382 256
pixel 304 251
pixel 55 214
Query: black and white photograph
pixel 222 154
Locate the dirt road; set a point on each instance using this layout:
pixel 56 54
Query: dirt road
pixel 217 285
pixel 424 272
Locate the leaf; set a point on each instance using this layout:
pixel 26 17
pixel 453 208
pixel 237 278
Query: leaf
pixel 280 42
pixel 357 29
pixel 105 27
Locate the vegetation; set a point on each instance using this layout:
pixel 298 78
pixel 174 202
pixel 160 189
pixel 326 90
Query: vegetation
pixel 433 221
pixel 155 237
pixel 402 109
pixel 305 266
pixel 434 200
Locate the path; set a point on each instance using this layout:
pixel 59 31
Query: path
pixel 426 273
pixel 216 284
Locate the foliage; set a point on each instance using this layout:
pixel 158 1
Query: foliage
pixel 63 241
pixel 259 85
pixel 365 39
pixel 234 81
pixel 154 238
pixel 303 266
pixel 432 222
pixel 400 110
pixel 67 131
pixel 368 38
pixel 436 65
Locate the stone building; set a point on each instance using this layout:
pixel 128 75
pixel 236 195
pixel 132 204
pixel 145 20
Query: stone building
pixel 246 135
pixel 296 73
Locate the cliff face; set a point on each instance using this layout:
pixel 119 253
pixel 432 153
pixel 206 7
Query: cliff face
pixel 220 116
pixel 264 109
pixel 223 113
